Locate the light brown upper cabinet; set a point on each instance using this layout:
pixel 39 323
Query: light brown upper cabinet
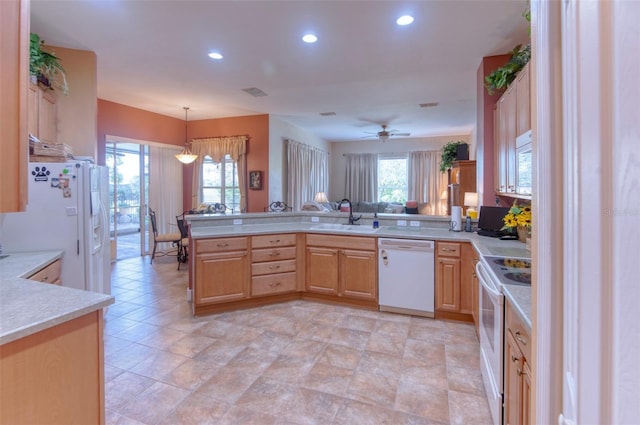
pixel 14 68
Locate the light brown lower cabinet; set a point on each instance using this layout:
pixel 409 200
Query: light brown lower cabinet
pixel 517 371
pixel 50 274
pixel 342 267
pixel 453 281
pixel 55 376
pixel 221 270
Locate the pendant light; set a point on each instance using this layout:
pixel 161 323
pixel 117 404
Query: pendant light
pixel 186 156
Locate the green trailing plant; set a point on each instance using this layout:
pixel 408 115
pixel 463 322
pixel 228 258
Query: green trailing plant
pixel 520 55
pixel 449 154
pixel 45 66
pixel 503 76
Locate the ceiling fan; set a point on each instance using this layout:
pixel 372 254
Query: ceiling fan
pixel 384 135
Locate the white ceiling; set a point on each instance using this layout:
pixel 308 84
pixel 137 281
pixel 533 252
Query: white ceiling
pixel 153 55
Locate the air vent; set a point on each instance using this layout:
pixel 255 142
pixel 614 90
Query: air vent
pixel 429 105
pixel 327 114
pixel 255 92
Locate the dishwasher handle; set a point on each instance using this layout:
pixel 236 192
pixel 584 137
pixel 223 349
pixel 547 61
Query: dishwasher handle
pixel 385 257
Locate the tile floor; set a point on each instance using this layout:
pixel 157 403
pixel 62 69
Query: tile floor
pixel 293 363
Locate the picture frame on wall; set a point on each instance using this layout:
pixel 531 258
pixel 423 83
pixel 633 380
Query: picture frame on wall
pixel 255 180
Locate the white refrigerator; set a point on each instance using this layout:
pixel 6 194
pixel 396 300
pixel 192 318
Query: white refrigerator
pixel 67 209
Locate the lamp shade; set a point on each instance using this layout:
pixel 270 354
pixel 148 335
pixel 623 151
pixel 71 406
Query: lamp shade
pixel 471 199
pixel 321 198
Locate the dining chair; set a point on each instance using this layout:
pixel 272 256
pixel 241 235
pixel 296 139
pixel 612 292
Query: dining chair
pixel 183 245
pixel 172 238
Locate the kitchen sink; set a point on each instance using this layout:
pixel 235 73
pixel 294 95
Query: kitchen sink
pixel 347 228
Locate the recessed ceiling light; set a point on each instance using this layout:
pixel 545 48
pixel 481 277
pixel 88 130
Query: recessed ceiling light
pixel 309 38
pixel 404 20
pixel 215 55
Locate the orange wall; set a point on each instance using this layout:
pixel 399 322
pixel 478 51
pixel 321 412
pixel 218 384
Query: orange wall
pixel 115 119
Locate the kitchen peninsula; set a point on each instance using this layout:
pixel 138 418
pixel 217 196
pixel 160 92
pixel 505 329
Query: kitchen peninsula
pixel 51 346
pixel 224 246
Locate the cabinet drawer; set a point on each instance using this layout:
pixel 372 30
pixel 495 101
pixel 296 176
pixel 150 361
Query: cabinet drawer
pixel 519 331
pixel 448 249
pixel 220 245
pixel 345 242
pixel 273 284
pixel 267 241
pixel 273 267
pixel 49 274
pixel 273 254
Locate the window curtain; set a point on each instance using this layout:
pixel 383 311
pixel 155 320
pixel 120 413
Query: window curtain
pixel 426 182
pixel 217 148
pixel 361 180
pixel 165 188
pixel 307 173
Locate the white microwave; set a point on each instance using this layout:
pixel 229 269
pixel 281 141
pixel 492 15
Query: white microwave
pixel 524 164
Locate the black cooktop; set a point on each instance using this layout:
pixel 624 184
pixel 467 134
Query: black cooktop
pixel 514 271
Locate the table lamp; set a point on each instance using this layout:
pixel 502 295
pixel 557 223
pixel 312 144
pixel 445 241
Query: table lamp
pixel 471 202
pixel 321 198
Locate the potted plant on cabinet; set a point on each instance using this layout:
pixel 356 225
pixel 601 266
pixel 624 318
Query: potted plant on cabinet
pixel 453 151
pixel 45 66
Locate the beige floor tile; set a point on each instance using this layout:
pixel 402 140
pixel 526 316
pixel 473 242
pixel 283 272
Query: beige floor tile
pixel 120 390
pixel 328 379
pixel 466 380
pixel 469 409
pixel 252 360
pixel 239 415
pixel 287 369
pixel 155 403
pixel 463 355
pixel 340 356
pixel 357 413
pixel 373 389
pixel 191 345
pixel 158 365
pixel 387 343
pixel 423 401
pixel 381 364
pixel 350 338
pixel 227 385
pixel 191 374
pixel 316 331
pixel 293 363
pixel 197 409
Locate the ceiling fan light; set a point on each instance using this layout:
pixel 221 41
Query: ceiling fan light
pixel 384 138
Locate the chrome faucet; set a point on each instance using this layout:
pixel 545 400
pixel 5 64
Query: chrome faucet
pixel 352 219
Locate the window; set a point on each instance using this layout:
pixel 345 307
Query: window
pixel 392 179
pixel 220 182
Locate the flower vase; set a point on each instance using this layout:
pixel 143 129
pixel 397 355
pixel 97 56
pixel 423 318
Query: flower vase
pixel 523 233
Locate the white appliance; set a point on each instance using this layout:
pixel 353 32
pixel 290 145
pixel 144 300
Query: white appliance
pixel 406 276
pixel 491 329
pixel 66 210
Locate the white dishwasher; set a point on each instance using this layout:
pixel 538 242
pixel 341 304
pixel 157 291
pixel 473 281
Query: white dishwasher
pixel 406 276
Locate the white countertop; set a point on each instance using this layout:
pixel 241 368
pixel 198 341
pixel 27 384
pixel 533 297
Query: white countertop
pixel 264 223
pixel 27 307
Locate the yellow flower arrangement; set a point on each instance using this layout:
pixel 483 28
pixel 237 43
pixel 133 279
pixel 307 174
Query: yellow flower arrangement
pixel 518 216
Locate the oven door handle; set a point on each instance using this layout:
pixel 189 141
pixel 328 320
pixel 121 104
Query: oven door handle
pixel 485 279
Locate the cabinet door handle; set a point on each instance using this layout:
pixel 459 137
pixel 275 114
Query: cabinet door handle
pixel 520 338
pixel 274 267
pixel 222 244
pixel 275 241
pixel 272 284
pixel 274 254
pixel 514 358
pixel 448 249
pixel 519 371
pixel 44 279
